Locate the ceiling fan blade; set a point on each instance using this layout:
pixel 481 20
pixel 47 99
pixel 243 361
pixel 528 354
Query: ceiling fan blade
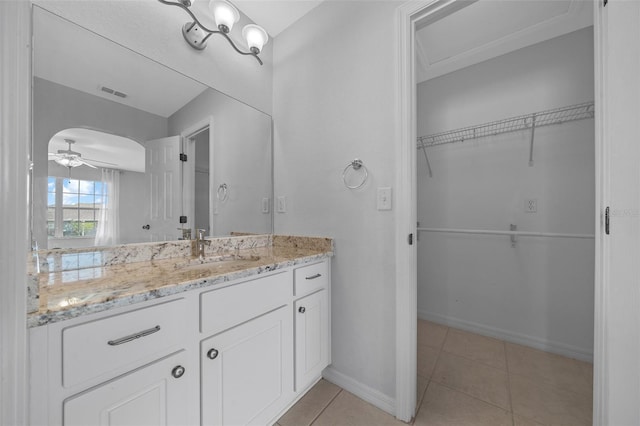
pixel 98 161
pixel 86 164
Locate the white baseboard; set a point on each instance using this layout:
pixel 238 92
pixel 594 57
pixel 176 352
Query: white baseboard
pixel 362 391
pixel 509 336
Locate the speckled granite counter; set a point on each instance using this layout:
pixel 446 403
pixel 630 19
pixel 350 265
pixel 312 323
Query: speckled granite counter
pixel 79 282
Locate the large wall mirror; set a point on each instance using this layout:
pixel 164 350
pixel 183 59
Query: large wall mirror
pixel 111 131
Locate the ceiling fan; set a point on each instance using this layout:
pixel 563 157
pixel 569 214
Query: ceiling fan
pixel 69 158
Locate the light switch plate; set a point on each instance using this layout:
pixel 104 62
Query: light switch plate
pixel 265 205
pixel 282 204
pixel 384 198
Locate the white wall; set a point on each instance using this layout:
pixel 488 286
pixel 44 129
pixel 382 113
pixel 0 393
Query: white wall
pixel 333 102
pixel 242 159
pixel 540 292
pixel 154 30
pixel 56 108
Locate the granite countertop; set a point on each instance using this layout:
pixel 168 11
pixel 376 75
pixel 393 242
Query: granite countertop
pixel 80 282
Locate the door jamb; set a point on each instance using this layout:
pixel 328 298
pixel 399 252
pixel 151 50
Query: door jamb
pixel 188 172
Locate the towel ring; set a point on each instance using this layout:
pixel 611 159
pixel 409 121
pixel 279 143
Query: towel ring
pixel 223 192
pixel 355 165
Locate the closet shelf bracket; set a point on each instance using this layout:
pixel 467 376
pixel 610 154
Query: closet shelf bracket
pixel 533 134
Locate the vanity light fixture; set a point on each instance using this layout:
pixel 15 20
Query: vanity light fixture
pixel 225 15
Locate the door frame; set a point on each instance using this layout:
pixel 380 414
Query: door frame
pixel 15 140
pixel 408 15
pixel 188 172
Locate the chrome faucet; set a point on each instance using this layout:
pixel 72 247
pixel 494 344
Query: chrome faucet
pixel 200 243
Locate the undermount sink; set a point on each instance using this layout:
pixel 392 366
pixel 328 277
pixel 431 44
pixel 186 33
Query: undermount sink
pixel 217 259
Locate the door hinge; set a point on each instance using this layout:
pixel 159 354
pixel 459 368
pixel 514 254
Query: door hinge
pixel 183 157
pixel 606 220
pixel 604 3
pixel 183 219
pixel 410 239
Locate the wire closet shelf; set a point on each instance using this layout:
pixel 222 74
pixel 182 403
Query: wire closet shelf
pixel 513 124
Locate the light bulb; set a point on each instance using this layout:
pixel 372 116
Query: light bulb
pixel 255 36
pixel 225 14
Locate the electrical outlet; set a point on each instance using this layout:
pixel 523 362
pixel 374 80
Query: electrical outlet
pixel 265 205
pixel 531 205
pixel 282 204
pixel 384 198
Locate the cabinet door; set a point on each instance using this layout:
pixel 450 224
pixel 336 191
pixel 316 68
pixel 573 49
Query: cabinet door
pixel 148 396
pixel 246 371
pixel 312 334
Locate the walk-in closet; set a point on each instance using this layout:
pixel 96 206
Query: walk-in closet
pixel 506 217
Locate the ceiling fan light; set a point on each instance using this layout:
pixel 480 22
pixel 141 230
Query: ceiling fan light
pixel 68 162
pixel 255 36
pixel 225 14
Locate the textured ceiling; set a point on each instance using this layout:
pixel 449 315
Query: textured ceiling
pixel 275 15
pixel 489 28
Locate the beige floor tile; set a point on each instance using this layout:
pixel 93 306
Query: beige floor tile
pixel 478 348
pixel 310 405
pixel 349 410
pixel 447 407
pixel 421 389
pixel 473 378
pixel 548 404
pixel 427 357
pixel 552 369
pixel 431 334
pixel 523 421
pixel 587 370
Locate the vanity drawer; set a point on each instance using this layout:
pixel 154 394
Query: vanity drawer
pixel 109 344
pixel 227 307
pixel 310 278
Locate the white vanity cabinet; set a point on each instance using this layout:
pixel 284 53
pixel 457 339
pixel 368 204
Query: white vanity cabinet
pixel 311 317
pixel 236 353
pixel 246 363
pixel 246 371
pixel 311 330
pixel 126 366
pixel 152 395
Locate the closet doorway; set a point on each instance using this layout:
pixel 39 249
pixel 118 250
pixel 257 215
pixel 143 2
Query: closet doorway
pixel 505 250
pixel 475 191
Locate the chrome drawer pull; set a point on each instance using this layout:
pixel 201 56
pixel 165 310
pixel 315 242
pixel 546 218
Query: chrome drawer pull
pixel 313 277
pixel 134 336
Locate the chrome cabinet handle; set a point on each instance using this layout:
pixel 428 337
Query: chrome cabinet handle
pixel 178 371
pixel 313 277
pixel 134 336
pixel 212 354
pixel 302 309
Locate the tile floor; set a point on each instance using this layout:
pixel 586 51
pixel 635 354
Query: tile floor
pixel 467 379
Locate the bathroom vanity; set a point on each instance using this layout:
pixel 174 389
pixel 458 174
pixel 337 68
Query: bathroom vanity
pixel 233 338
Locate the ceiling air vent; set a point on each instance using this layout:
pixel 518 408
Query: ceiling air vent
pixel 113 92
